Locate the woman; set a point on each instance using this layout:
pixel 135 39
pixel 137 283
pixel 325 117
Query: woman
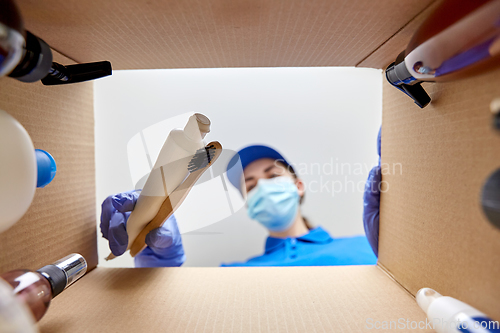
pixel 274 194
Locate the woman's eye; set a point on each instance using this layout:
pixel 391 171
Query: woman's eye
pixel 249 188
pixel 274 175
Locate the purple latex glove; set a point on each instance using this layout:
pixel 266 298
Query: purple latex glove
pixel 164 244
pixel 371 202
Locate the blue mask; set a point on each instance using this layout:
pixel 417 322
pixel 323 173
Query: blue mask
pixel 274 203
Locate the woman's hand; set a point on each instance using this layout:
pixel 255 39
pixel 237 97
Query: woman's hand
pixel 164 244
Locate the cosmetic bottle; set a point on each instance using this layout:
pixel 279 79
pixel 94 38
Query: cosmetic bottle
pixel 459 39
pixel 15 317
pixel 37 288
pixel 170 169
pixel 24 168
pixel 449 315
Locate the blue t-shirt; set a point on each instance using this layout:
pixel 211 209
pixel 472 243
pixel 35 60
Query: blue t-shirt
pixel 317 248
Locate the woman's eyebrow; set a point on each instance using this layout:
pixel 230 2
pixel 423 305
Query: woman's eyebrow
pixel 270 168
pixel 249 178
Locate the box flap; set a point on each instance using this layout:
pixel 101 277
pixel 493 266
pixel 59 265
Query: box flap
pixel 61 219
pixel 389 50
pixel 219 33
pixel 241 299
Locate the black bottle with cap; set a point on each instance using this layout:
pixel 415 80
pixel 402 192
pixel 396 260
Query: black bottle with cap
pixel 37 288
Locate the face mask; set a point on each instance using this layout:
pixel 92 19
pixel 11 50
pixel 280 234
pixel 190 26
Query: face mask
pixel 274 203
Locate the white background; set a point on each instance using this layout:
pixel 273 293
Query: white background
pixel 316 117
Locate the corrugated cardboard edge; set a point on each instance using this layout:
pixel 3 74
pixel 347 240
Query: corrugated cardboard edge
pixel 389 50
pixel 218 33
pixel 391 276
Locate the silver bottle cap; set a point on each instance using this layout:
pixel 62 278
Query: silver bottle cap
pixel 74 266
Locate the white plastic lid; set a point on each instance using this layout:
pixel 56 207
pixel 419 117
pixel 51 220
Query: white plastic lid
pixel 425 297
pixel 203 122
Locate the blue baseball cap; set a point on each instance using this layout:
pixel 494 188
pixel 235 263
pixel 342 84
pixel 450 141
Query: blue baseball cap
pixel 246 156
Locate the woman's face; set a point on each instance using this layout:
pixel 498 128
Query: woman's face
pixel 268 168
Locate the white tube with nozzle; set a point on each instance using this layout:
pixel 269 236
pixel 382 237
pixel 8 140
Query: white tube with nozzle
pixel 449 315
pixel 170 169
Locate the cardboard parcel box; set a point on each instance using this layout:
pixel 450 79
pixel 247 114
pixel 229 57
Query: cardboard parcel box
pixel 432 229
